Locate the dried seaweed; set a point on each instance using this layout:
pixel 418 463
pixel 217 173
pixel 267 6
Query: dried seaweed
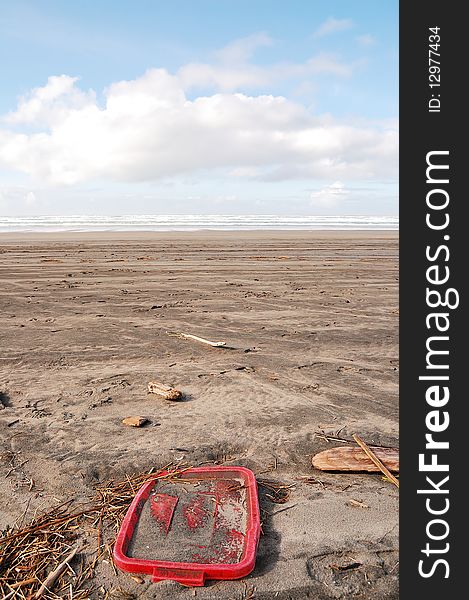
pixel 278 493
pixel 30 554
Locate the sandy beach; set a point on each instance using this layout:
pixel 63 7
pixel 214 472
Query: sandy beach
pixel 311 321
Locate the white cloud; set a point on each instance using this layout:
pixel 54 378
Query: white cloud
pixel 232 71
pixel 332 25
pixel 242 49
pixel 51 103
pixel 236 76
pixel 330 195
pixel 16 196
pixel 246 172
pixel 148 130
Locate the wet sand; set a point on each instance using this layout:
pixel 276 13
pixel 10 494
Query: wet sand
pixel 311 319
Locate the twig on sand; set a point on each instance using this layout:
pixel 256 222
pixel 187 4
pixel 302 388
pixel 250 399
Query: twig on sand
pixel 282 510
pixel 19 584
pixel 372 456
pixel 394 567
pixel 189 336
pixel 330 438
pixel 51 578
pixel 311 481
pixel 248 592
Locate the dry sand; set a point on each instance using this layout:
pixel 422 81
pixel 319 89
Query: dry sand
pixel 312 320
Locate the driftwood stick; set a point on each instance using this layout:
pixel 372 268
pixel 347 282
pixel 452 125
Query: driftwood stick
pixel 136 421
pixel 168 392
pixel 189 336
pixel 351 458
pixel 19 584
pixel 376 460
pixel 52 577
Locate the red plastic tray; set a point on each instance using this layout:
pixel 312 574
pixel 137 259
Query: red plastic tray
pixel 204 524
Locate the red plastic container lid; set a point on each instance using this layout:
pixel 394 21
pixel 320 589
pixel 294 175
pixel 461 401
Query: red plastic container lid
pixel 200 524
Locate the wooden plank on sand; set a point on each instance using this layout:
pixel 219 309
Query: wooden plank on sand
pixel 351 458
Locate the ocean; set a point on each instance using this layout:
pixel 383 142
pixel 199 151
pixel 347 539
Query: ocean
pixel 194 223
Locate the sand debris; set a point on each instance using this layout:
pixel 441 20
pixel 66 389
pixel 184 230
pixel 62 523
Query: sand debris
pixel 350 458
pixel 135 421
pixel 189 336
pixel 249 592
pixel 28 552
pixel 278 493
pixel 357 503
pixel 35 557
pixel 372 456
pixel 168 392
pixel 348 567
pixel 52 577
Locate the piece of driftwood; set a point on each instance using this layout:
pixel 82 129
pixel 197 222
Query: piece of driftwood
pixel 134 421
pixel 19 584
pixel 350 458
pixel 51 578
pixel 357 503
pixel 372 456
pixel 189 336
pixel 168 392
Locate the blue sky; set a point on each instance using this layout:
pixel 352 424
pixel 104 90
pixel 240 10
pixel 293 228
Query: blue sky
pixel 198 106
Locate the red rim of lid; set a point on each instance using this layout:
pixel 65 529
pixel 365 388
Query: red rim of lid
pixel 191 574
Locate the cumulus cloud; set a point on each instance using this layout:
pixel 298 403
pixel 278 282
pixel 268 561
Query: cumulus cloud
pixel 147 129
pixel 332 25
pixel 52 103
